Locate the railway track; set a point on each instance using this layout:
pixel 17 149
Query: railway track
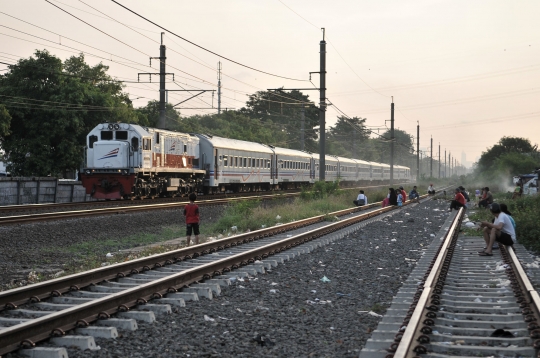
pixel 140 287
pixel 456 303
pixel 120 208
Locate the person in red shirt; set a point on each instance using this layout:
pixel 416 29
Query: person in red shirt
pixel 191 212
pixel 404 193
pixel 459 200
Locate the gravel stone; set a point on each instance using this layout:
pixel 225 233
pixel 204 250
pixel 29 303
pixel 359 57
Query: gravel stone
pixel 34 247
pixel 305 317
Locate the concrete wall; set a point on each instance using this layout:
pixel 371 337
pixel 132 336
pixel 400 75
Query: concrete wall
pixel 35 190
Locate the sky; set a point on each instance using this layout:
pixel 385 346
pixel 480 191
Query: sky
pixel 465 71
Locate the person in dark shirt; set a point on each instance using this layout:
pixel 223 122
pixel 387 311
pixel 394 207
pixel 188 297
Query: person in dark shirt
pixel 464 193
pixel 392 199
pixel 191 212
pixel 487 199
pixel 413 195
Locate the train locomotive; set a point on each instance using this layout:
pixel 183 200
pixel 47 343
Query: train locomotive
pixel 130 161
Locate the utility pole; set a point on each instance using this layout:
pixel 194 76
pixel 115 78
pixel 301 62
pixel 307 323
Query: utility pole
pixel 439 160
pixel 445 171
pixel 219 88
pixel 162 74
pixel 322 110
pixel 354 144
pixel 162 59
pixel 302 119
pixel 431 160
pixel 418 151
pixel 392 142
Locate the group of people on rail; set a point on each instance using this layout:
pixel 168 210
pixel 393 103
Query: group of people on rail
pixel 394 197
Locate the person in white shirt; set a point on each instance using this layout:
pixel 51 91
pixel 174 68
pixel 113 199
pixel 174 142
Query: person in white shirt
pixel 431 189
pixel 361 199
pixel 501 230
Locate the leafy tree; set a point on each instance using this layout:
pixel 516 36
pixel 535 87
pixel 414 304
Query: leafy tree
pixel 53 105
pixel 505 145
pixel 5 121
pixel 282 109
pixel 149 115
pixel 516 163
pixel 347 137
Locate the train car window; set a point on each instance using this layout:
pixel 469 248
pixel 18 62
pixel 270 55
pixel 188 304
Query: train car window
pixel 157 138
pixel 91 140
pixel 185 148
pixel 225 161
pixel 106 135
pixel 258 162
pixel 253 163
pixel 121 135
pixel 134 143
pixel 245 162
pixel 235 161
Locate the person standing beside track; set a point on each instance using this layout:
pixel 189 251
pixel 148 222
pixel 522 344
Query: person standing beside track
pixel 191 212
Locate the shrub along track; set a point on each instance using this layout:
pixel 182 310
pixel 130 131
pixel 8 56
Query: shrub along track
pixel 233 253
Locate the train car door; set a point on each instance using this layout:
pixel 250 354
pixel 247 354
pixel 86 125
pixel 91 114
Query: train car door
pixel 216 167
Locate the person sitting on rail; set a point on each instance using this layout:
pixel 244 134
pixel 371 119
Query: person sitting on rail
pixel 399 198
pixel 431 189
pixel 487 198
pixel 404 193
pixel 501 231
pixel 392 198
pixel 361 199
pixel 464 193
pixel 459 200
pixel 191 212
pixel 413 195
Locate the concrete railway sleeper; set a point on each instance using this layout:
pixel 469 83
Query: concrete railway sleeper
pixel 456 303
pixel 96 295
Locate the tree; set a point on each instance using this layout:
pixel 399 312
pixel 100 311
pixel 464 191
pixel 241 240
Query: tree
pixel 53 106
pixel 347 137
pixel 283 110
pixel 5 121
pixel 516 163
pixel 488 159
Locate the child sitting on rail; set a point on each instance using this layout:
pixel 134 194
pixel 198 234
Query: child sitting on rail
pixel 413 195
pixel 191 212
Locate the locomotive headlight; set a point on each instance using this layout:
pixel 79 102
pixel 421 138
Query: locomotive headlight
pixel 116 126
pixel 110 126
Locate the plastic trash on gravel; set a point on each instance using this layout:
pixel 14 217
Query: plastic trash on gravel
pixel 209 319
pixel 278 218
pixel 109 255
pixel 371 313
pixel 273 291
pixel 325 279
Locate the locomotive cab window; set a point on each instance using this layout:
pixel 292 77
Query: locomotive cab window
pixel 106 135
pixel 147 144
pixel 134 143
pixel 91 140
pixel 121 135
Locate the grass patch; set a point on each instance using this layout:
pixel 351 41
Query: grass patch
pixel 322 199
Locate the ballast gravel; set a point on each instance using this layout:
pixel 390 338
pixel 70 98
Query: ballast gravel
pixel 42 247
pixel 290 311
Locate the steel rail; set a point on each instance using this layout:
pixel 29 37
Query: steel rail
pixel 17 219
pixel 244 195
pixel 42 290
pixel 405 348
pixel 14 337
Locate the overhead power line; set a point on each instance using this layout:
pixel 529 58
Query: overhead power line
pixel 205 49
